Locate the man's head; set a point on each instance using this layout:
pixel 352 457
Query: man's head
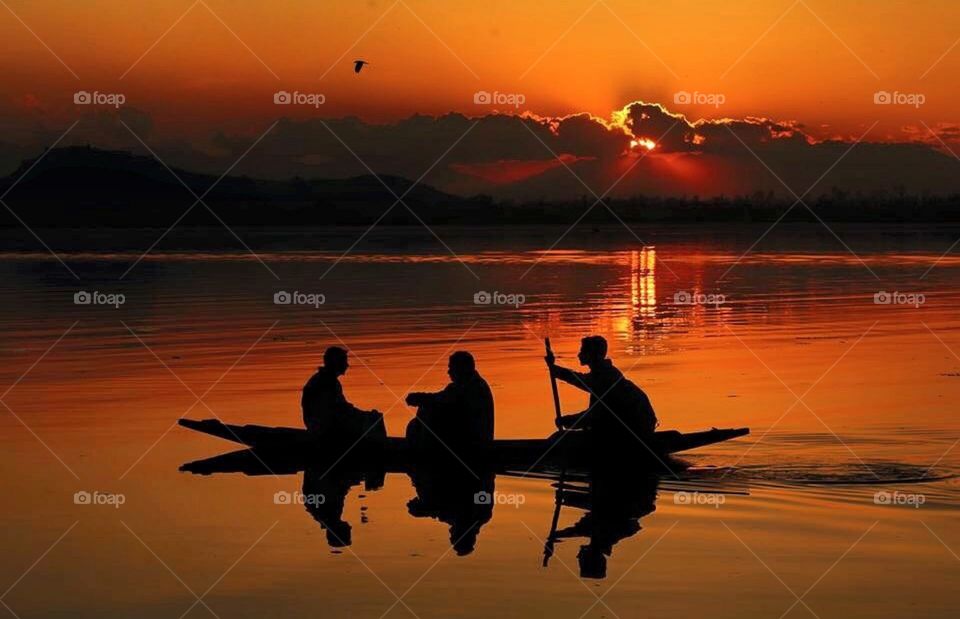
pixel 593 350
pixel 593 563
pixel 461 366
pixel 463 536
pixel 338 533
pixel 335 360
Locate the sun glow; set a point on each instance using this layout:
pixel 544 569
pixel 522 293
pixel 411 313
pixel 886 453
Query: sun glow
pixel 643 142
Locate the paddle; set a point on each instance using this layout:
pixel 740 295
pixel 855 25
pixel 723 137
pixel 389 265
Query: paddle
pixel 553 379
pixel 552 536
pixel 548 546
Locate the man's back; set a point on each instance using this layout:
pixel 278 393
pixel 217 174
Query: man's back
pixel 617 403
pixel 478 409
pixel 322 401
pixel 462 412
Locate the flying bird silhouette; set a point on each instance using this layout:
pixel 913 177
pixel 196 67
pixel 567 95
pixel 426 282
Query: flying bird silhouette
pixel 358 64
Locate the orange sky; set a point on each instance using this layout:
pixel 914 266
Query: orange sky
pixel 813 61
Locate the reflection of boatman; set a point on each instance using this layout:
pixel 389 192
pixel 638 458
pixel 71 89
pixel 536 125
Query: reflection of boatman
pixel 615 505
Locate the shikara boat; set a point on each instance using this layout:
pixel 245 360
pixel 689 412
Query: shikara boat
pixel 297 448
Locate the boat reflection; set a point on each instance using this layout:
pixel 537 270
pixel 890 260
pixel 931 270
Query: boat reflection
pixel 461 497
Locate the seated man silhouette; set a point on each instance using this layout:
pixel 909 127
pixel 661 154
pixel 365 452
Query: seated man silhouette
pixel 327 413
pixel 619 411
pixel 460 414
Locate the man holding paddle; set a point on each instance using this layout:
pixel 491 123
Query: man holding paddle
pixel 619 410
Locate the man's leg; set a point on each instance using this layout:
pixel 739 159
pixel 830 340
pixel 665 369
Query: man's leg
pixel 370 426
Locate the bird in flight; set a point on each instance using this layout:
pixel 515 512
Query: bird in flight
pixel 358 64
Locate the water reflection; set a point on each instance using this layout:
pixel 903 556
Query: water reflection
pixel 324 497
pixel 799 311
pixel 643 282
pixel 613 504
pixel 464 498
pixel 640 321
pixel 641 302
pixel 454 496
pixel 624 291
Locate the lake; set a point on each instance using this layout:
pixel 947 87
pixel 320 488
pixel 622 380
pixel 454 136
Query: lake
pixel 841 355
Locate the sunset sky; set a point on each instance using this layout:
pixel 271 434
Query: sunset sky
pixel 197 69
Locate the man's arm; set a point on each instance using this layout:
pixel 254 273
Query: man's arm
pixel 575 421
pixel 444 396
pixel 347 407
pixel 338 402
pixel 329 399
pixel 577 379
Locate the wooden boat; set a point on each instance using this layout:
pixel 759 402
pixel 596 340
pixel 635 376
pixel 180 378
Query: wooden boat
pixel 295 447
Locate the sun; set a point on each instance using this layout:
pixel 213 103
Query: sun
pixel 644 142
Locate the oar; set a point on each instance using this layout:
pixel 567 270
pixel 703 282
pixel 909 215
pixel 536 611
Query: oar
pixel 548 546
pixel 553 379
pixel 552 536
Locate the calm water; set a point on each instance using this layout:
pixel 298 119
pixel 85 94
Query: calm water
pixel 852 404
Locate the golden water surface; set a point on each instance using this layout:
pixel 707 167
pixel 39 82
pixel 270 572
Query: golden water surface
pixel 841 503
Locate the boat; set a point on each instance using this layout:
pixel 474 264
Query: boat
pixel 296 447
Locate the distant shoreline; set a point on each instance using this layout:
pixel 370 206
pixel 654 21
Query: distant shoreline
pixel 87 188
pixel 785 236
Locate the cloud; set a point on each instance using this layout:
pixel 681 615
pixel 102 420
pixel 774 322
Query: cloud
pixel 939 135
pixel 528 156
pixel 517 155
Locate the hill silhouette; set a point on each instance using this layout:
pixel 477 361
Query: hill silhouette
pixel 81 186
